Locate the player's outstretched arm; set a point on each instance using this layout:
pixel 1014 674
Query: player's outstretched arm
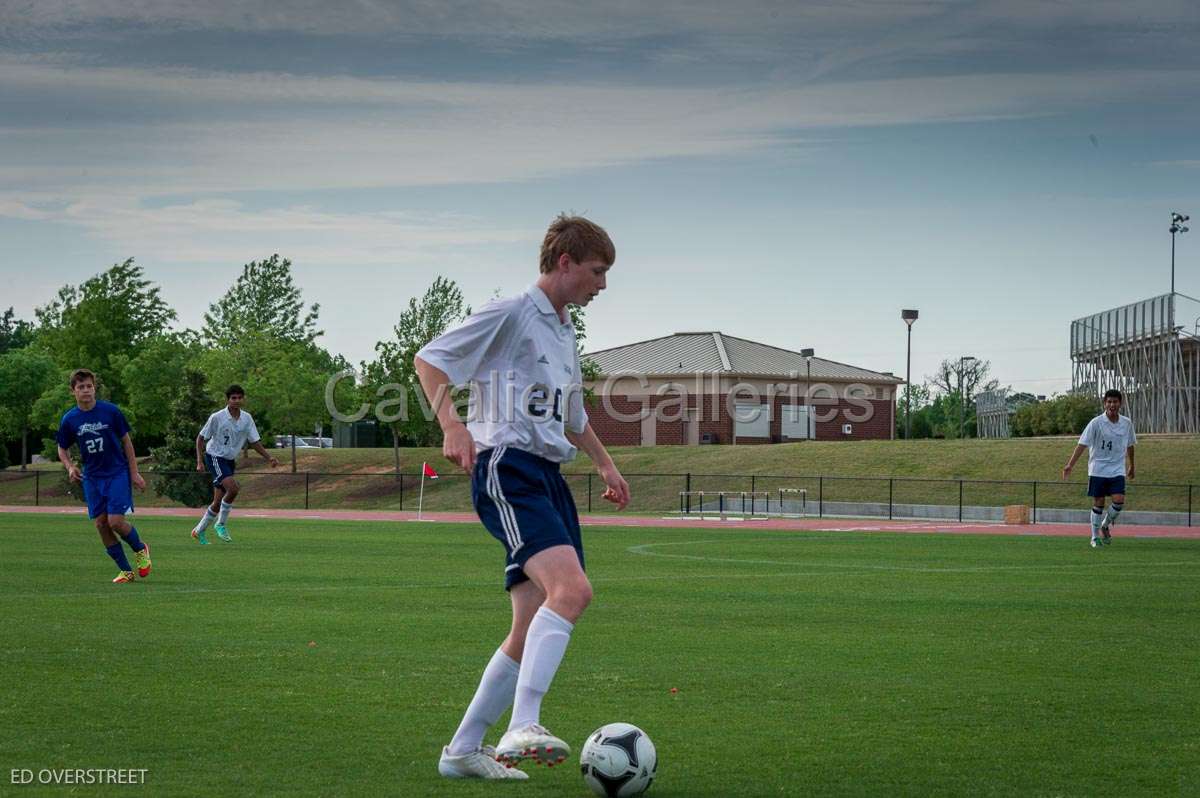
pixel 1129 470
pixel 200 452
pixel 1075 455
pixel 134 476
pixel 617 489
pixel 258 447
pixel 64 457
pixel 458 446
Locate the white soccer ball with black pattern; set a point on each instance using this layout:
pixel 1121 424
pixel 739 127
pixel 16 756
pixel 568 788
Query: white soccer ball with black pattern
pixel 618 760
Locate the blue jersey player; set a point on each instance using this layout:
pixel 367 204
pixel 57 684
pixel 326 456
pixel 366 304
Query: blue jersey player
pixel 109 471
pixel 519 357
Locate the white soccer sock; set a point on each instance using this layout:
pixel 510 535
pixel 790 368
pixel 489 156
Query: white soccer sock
pixel 1097 517
pixel 545 643
pixel 209 517
pixel 1114 510
pixel 224 515
pixel 492 697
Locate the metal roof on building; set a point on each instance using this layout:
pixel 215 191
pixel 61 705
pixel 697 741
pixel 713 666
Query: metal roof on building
pixel 689 352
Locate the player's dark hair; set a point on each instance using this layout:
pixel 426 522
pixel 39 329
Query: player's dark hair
pixel 82 375
pixel 234 389
pixel 578 237
pixel 1113 393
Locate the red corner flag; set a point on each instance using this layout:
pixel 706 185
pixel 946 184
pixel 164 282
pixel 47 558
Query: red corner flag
pixel 428 470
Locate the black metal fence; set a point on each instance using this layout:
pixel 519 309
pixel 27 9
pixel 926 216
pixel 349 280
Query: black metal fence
pixel 890 497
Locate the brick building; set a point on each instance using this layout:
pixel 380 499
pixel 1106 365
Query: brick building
pixel 708 387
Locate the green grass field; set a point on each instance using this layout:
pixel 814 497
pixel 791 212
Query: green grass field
pixel 325 658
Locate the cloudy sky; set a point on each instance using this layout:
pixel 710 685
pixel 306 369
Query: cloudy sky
pixel 793 173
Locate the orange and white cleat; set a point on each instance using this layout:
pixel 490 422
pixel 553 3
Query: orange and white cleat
pixel 142 561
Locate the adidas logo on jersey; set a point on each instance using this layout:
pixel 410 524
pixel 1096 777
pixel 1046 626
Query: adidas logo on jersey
pixel 543 359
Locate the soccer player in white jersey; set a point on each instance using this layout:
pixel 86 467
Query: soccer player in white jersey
pixel 1109 439
pixel 526 416
pixel 219 443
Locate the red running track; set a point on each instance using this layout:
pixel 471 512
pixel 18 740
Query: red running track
pixel 797 524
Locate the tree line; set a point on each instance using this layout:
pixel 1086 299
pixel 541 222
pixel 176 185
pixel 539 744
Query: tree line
pixel 944 406
pixel 260 334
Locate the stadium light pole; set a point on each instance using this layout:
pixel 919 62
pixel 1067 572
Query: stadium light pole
pixel 909 317
pixel 1177 226
pixel 962 395
pixel 807 354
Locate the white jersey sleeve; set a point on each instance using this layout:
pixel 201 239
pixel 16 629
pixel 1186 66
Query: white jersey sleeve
pixel 460 352
pixel 1088 436
pixel 210 427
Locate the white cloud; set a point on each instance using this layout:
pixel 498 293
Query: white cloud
pixel 226 231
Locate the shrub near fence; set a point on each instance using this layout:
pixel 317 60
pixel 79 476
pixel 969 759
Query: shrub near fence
pixel 652 494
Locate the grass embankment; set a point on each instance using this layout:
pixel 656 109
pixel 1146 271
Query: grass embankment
pixel 848 471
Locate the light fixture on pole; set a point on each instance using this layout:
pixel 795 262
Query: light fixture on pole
pixel 1177 226
pixel 962 395
pixel 909 316
pixel 807 354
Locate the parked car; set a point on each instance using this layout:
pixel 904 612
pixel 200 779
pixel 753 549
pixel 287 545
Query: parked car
pixel 285 442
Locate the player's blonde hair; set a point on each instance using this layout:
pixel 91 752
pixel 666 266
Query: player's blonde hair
pixel 578 237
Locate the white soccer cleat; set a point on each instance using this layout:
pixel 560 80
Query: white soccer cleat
pixel 532 742
pixel 478 764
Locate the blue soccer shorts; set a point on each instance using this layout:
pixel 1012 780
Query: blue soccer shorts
pixel 1098 487
pixel 219 467
pixel 525 503
pixel 108 495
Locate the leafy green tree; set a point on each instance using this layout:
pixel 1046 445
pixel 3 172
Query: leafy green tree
pixel 49 408
pixel 392 375
pixel 110 315
pixel 293 386
pixel 1074 411
pixel 25 374
pixel 921 399
pixel 588 367
pixel 175 461
pixel 957 381
pixel 284 382
pixel 1066 414
pixel 264 301
pixel 152 379
pixel 14 333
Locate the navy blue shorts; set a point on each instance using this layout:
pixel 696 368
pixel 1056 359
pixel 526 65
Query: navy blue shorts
pixel 1105 486
pixel 219 467
pixel 525 503
pixel 108 495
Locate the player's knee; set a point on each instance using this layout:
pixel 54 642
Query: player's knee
pixel 102 526
pixel 574 595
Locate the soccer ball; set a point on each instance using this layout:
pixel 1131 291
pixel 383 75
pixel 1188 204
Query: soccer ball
pixel 618 760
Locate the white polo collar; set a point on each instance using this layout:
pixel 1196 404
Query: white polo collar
pixel 542 302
